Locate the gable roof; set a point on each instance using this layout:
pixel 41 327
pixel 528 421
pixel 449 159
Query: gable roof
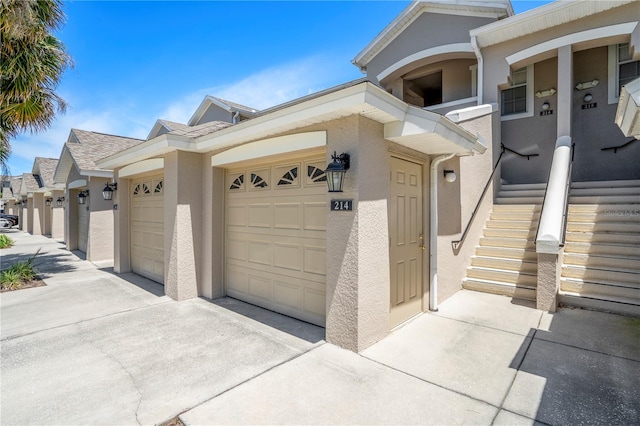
pixel 84 148
pixel 45 168
pixel 495 8
pixel 166 125
pixel 229 106
pixel 16 183
pixel 29 184
pixel 540 19
pixel 201 129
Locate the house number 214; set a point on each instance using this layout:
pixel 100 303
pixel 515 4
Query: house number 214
pixel 341 205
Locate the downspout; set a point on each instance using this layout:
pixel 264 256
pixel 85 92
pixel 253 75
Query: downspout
pixel 235 118
pixel 433 231
pixel 480 80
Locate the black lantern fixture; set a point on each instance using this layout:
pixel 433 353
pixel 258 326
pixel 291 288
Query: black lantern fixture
pixel 59 201
pixel 109 188
pixel 82 197
pixel 48 201
pixel 335 171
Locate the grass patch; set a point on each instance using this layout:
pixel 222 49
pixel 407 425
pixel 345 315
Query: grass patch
pixel 5 241
pixel 18 274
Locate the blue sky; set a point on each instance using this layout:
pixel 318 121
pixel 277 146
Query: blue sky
pixel 137 61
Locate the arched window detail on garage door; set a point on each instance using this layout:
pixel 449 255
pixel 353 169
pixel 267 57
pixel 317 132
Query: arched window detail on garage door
pixel 257 181
pixel 136 190
pixel 316 174
pixel 158 186
pixel 289 177
pixel 238 183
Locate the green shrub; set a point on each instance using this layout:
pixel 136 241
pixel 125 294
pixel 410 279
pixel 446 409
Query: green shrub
pixel 5 241
pixel 18 273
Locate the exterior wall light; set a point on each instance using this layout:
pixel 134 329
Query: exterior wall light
pixel 48 201
pixel 59 201
pixel 335 171
pixel 107 192
pixel 587 84
pixel 588 98
pixel 450 176
pixel 546 106
pixel 82 197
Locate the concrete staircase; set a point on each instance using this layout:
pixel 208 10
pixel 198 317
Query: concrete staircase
pixel 601 265
pixel 505 262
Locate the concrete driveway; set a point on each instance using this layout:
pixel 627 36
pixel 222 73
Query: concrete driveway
pixel 97 348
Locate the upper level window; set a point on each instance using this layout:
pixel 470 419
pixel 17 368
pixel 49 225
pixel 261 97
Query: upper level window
pixel 628 70
pixel 514 99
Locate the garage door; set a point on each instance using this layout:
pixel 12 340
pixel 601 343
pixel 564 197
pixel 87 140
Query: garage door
pixel 147 228
pixel 83 226
pixel 275 237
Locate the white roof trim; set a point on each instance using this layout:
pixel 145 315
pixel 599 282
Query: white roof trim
pixel 540 19
pixel 64 166
pixel 570 39
pixel 272 146
pixel 628 112
pixel 80 183
pixel 143 166
pixel 495 9
pixel 207 101
pixel 447 49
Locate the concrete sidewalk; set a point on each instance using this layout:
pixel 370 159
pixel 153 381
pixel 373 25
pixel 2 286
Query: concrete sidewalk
pixel 93 347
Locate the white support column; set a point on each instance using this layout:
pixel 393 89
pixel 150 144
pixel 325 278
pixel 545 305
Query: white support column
pixel 565 90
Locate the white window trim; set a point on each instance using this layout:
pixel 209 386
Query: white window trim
pixel 529 112
pixel 474 80
pixel 613 78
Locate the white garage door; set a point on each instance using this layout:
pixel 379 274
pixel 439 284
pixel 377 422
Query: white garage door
pixel 147 228
pixel 83 226
pixel 275 237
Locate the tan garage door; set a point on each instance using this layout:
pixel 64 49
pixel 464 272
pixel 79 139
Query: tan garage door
pixel 83 226
pixel 275 237
pixel 147 228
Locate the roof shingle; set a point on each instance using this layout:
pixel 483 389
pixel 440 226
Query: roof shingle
pixel 93 146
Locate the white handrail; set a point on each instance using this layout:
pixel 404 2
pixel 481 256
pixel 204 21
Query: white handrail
pixel 549 237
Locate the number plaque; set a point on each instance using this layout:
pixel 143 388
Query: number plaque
pixel 342 205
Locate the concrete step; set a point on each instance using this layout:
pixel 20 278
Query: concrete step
pixel 604 237
pixel 618 190
pixel 604 199
pixel 515 215
pixel 502 275
pixel 507 242
pixel 619 227
pixel 606 209
pixel 518 200
pixel 605 184
pixel 631 263
pixel 527 234
pixel 598 303
pixel 507 252
pixel 609 216
pixel 600 249
pixel 522 186
pixel 601 289
pixel 509 264
pixel 516 207
pixel 617 275
pixel 520 193
pixel 512 224
pixel 497 287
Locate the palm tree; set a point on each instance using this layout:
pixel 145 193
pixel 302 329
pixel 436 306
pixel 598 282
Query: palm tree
pixel 32 62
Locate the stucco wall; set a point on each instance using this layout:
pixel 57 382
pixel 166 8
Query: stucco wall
pixel 57 217
pixel 456 202
pixel 38 213
pixel 122 225
pixel 100 240
pixel 427 31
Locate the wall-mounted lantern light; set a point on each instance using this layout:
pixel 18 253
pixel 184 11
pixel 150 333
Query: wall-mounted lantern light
pixel 82 197
pixel 587 84
pixel 587 98
pixel 59 201
pixel 450 176
pixel 48 201
pixel 107 192
pixel 335 171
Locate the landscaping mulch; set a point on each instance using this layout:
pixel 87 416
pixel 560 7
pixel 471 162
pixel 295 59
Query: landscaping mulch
pixel 27 284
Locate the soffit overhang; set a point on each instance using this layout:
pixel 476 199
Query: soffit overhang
pixel 540 19
pixel 406 125
pixel 495 9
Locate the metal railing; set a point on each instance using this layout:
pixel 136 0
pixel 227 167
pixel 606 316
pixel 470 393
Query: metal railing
pixel 455 244
pixel 616 148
